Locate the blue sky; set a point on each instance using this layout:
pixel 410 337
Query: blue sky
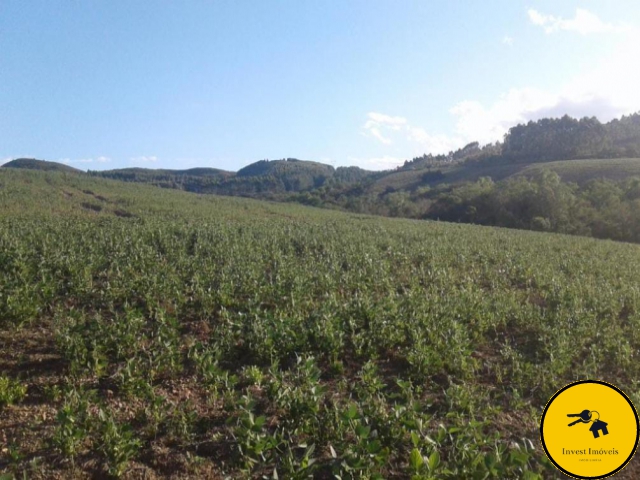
pixel 168 84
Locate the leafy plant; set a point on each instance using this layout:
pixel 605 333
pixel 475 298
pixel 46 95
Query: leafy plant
pixel 72 423
pixel 116 442
pixel 11 391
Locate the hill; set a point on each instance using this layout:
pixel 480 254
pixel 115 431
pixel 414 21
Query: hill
pixel 579 171
pixel 260 179
pixel 586 170
pixel 579 150
pixel 190 172
pixel 196 336
pixel 289 166
pixel 33 164
pixel 502 184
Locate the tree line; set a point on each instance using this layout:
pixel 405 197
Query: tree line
pixel 600 208
pixel 549 139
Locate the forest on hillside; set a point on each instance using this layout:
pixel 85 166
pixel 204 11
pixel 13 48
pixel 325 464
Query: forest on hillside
pixel 544 140
pixel 254 180
pixel 425 188
pixel 551 139
pixel 600 208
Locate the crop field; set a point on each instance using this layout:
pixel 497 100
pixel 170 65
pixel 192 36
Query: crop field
pixel 150 333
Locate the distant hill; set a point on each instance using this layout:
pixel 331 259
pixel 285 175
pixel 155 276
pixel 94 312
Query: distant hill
pixel 195 172
pixel 578 171
pixel 286 166
pixel 456 186
pixel 34 164
pixel 259 179
pixel 583 171
pixel 288 174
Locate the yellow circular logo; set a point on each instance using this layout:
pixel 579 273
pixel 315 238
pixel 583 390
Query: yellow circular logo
pixel 589 429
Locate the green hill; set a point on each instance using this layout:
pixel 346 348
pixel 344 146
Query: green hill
pixel 198 336
pixel 193 179
pixel 289 166
pixel 286 175
pixel 579 171
pixel 503 184
pixel 269 179
pixel 192 172
pixel 33 164
pixel 583 171
pixel 260 179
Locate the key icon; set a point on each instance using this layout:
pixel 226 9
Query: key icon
pixel 587 416
pixel 584 417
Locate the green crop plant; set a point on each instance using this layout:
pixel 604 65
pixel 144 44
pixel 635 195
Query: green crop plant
pixel 256 444
pixel 364 455
pixel 11 391
pixel 153 415
pixel 267 339
pixel 180 423
pixel 116 442
pixel 73 423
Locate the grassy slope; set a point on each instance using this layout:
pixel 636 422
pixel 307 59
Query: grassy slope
pixel 202 172
pixel 579 171
pixel 477 323
pixel 408 180
pixel 33 164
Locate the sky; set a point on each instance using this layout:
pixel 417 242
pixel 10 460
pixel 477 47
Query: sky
pixel 372 83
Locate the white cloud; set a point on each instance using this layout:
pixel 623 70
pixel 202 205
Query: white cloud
pixel 375 132
pixel 475 122
pixel 613 82
pixel 381 118
pixel 607 89
pixel 378 122
pixel 383 127
pixel 507 40
pixel 144 159
pixel 433 143
pixel 584 23
pixel 377 163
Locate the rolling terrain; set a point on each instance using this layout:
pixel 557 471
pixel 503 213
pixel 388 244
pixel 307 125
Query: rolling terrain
pixel 34 164
pixel 154 333
pixel 583 171
pixel 578 171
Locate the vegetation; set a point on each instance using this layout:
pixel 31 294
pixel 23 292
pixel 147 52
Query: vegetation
pixel 455 174
pixel 535 200
pixel 550 139
pixel 169 334
pixel 586 170
pixel 259 179
pixel 568 138
pixel 503 184
pixel 599 208
pixel 33 164
pixel 11 391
